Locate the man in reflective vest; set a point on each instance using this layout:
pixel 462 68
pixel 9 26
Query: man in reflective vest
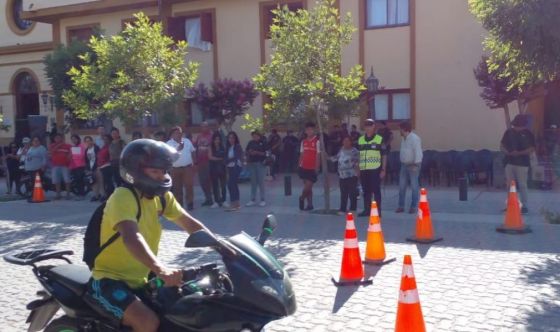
pixel 373 161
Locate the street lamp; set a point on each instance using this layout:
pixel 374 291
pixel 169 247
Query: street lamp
pixel 372 84
pixel 45 99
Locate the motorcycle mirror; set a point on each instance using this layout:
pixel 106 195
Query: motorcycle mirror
pixel 268 227
pixel 270 223
pixel 200 239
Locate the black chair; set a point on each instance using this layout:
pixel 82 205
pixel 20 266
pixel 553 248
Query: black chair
pixel 483 163
pixel 465 165
pixel 428 166
pixel 448 169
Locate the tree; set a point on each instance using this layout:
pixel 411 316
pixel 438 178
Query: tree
pixel 133 74
pixel 304 74
pixel 225 100
pixel 496 90
pixel 523 38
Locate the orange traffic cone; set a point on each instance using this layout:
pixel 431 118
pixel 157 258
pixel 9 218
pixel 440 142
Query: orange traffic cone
pixel 38 192
pixel 409 312
pixel 513 223
pixel 424 229
pixel 375 248
pixel 352 270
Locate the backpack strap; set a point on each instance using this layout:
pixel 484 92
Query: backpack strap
pixel 115 236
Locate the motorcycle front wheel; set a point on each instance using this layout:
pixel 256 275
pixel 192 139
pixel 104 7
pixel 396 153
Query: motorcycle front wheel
pixel 63 324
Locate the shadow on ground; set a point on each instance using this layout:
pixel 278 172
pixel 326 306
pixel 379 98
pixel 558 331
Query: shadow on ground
pixel 544 274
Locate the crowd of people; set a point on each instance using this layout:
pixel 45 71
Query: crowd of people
pixel 218 160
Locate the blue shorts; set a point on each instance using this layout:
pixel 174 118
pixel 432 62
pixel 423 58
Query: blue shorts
pixel 60 174
pixel 111 297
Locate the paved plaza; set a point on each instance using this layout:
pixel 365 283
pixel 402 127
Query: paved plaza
pixel 474 280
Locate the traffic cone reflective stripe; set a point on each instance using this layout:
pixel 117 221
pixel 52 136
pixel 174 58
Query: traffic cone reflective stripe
pixel 513 222
pixel 351 271
pixel 376 228
pixel 409 296
pixel 375 248
pixel 424 229
pixel 351 243
pixel 38 192
pixel 409 311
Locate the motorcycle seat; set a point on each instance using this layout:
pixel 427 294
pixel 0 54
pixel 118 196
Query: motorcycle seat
pixel 74 277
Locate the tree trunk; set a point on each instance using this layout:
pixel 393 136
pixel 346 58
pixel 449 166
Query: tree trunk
pixel 521 105
pixel 507 115
pixel 326 183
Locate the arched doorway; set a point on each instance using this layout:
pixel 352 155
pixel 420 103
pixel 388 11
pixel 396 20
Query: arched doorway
pixel 27 102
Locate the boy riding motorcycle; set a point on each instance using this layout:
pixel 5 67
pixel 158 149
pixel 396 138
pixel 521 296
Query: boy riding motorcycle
pixel 120 271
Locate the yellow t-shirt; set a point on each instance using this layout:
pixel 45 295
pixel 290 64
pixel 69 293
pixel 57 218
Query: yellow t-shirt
pixel 116 262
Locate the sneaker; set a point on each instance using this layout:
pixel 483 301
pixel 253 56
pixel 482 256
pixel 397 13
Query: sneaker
pixel 232 208
pixel 309 208
pixel 94 199
pixel 399 210
pixel 215 206
pixel 301 203
pixel 207 203
pixel 262 203
pixel 524 210
pixel 226 205
pixel 412 211
pixel 190 207
pixel 251 203
pixel 341 213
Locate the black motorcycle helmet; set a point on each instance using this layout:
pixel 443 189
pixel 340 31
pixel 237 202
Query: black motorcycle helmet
pixel 143 153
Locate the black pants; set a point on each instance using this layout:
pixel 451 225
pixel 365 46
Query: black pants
pixel 116 172
pixel 78 179
pixel 371 185
pixel 348 190
pixel 107 173
pixel 218 178
pixel 275 168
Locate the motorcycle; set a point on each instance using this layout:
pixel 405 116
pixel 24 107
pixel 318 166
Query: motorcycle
pixel 250 290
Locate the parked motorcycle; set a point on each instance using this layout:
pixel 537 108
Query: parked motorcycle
pixel 249 291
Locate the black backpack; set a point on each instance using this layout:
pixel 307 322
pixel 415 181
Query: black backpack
pixel 92 237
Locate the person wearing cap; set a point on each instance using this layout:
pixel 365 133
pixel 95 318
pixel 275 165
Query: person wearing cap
pixel 517 144
pixel 373 160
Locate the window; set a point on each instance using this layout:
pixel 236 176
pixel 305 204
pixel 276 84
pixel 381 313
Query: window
pixel 197 30
pixel 269 16
pixel 82 34
pixel 17 24
pixel 92 124
pixel 386 13
pixel 392 105
pixel 196 115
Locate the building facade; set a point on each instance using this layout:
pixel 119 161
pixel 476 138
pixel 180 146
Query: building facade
pixel 423 53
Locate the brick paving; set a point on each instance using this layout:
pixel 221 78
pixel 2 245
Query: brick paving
pixel 475 280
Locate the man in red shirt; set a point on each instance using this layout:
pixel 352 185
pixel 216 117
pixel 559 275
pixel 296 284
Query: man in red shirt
pixel 310 153
pixel 61 155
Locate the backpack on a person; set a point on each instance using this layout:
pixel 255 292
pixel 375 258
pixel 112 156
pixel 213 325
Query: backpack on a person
pixel 92 237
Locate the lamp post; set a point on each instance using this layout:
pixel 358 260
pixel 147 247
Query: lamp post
pixel 372 84
pixel 44 99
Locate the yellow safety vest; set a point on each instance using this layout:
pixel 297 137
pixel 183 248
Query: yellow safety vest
pixel 370 152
